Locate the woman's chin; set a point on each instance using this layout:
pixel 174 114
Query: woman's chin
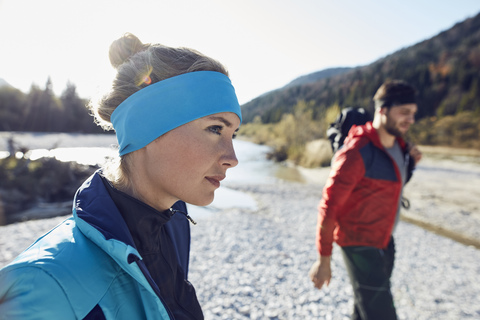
pixel 202 202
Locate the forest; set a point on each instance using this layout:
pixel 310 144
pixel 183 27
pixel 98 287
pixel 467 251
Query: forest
pixel 40 110
pixel 445 70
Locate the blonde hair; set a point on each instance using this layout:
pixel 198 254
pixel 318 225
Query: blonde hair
pixel 139 65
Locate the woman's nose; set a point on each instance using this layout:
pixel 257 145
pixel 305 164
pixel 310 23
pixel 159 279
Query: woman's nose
pixel 229 158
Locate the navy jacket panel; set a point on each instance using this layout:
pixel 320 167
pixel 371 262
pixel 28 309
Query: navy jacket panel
pixel 378 164
pixel 179 231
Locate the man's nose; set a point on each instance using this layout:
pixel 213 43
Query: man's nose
pixel 411 118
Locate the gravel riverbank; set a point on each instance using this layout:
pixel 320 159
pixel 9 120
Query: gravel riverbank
pixel 252 263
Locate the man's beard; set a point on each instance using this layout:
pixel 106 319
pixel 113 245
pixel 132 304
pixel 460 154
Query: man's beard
pixel 392 129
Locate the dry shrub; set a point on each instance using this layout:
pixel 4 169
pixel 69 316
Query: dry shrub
pixel 318 153
pixel 289 137
pixel 461 131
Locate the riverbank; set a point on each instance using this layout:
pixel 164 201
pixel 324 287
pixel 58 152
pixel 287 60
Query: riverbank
pixel 444 192
pixel 252 262
pixel 250 258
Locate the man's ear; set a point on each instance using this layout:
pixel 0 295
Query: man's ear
pixel 383 110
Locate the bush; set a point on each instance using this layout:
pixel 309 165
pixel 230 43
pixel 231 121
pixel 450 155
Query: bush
pixel 288 137
pixel 461 130
pixel 25 183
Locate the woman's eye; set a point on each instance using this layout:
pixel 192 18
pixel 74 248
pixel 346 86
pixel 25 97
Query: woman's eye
pixel 216 129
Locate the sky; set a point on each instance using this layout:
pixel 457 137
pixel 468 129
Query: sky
pixel 264 44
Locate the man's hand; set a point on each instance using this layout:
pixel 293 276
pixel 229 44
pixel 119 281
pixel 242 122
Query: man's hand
pixel 415 153
pixel 320 272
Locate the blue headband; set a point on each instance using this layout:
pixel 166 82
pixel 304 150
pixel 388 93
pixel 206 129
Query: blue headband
pixel 165 105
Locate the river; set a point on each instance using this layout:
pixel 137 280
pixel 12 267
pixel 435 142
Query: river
pixel 444 191
pixel 95 149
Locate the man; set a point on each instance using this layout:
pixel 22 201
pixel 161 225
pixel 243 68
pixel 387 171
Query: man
pixel 361 199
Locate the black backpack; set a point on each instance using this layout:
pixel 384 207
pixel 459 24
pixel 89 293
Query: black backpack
pixel 338 130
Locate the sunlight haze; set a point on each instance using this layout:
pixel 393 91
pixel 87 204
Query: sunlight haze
pixel 265 44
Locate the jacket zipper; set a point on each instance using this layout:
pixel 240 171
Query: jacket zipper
pixel 153 285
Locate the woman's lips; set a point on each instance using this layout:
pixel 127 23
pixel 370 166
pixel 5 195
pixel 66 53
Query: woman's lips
pixel 215 180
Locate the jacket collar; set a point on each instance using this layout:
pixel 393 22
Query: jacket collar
pixel 371 133
pixel 94 205
pixel 143 221
pixel 99 220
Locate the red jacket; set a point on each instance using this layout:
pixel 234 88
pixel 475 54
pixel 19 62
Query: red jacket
pixel 361 196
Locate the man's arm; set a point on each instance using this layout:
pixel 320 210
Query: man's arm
pixel 347 170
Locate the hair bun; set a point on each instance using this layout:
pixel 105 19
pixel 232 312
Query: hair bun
pixel 123 48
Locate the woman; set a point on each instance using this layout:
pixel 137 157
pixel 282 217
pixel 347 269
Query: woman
pixel 124 253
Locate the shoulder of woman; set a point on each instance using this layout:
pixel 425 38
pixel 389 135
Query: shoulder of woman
pixel 29 292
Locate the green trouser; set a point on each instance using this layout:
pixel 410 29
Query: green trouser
pixel 370 270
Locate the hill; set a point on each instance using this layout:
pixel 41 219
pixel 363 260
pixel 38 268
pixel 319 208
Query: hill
pixel 277 101
pixel 4 83
pixel 316 76
pixel 445 70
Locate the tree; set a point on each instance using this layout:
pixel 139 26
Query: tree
pixel 44 112
pixel 12 105
pixel 77 118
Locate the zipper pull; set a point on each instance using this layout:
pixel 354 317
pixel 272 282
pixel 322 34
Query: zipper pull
pixel 190 219
pixel 172 212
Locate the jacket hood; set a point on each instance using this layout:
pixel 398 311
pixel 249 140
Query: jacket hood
pixel 99 219
pixel 94 205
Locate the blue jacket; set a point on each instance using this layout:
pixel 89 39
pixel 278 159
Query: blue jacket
pixel 88 267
